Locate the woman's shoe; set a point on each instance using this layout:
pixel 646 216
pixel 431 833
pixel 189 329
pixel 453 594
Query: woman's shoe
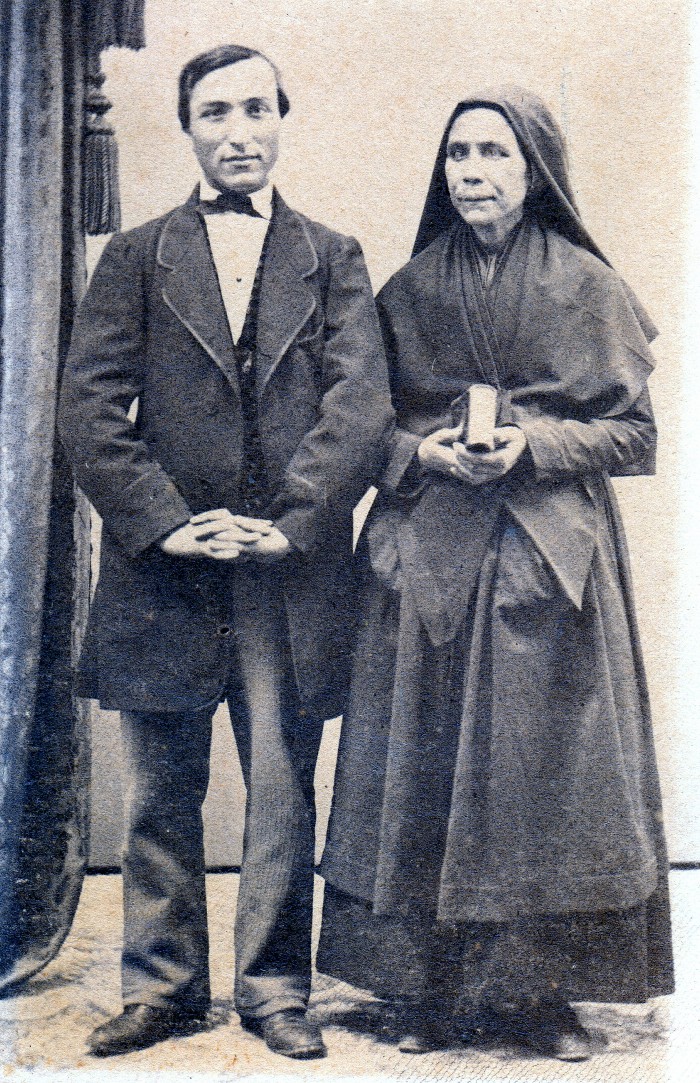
pixel 480 1025
pixel 423 1031
pixel 572 1045
pixel 552 1029
pixel 561 1041
pixel 416 1043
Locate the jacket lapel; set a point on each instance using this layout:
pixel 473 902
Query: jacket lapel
pixel 286 299
pixel 191 289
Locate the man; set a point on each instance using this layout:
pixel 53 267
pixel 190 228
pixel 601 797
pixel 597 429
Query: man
pixel 249 337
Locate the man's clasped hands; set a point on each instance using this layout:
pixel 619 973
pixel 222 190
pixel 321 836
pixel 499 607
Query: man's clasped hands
pixel 221 535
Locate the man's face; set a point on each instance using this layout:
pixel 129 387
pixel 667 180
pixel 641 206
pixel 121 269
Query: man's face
pixel 235 124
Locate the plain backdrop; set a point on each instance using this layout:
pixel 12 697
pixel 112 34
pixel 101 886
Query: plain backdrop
pixel 371 84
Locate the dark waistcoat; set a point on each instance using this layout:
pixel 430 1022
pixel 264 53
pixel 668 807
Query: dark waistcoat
pixel 254 482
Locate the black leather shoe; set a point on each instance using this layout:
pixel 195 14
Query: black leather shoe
pixel 138 1027
pixel 289 1033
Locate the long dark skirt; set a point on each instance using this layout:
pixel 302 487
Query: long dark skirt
pixel 496 828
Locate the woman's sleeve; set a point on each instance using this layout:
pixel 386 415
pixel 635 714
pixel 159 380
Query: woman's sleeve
pixel 402 473
pixel 618 446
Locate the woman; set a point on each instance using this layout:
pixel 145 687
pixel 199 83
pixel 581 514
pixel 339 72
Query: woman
pixel 495 848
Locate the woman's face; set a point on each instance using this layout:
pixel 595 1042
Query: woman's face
pixel 487 175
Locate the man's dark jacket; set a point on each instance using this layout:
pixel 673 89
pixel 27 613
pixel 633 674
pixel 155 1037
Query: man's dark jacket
pixel 153 327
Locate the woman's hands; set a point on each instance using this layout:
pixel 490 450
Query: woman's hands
pixel 441 451
pixel 220 535
pixel 437 452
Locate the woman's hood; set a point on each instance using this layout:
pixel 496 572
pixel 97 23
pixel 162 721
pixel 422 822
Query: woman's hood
pixel 551 198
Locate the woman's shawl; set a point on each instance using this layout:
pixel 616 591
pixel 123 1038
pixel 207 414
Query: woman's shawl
pixel 561 339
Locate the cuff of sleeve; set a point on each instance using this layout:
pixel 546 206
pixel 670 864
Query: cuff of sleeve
pixel 299 528
pixel 540 446
pixel 159 510
pixel 406 445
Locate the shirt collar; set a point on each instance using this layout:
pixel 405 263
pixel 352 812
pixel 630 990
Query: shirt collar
pixel 261 200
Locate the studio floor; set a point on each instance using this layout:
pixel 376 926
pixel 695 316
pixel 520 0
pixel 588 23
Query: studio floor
pixel 43 1030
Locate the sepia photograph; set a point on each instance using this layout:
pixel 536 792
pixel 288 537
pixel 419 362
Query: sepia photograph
pixel 348 519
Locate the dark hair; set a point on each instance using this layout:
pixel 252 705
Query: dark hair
pixel 221 57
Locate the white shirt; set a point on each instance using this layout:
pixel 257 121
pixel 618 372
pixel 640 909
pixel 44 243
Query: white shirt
pixel 236 242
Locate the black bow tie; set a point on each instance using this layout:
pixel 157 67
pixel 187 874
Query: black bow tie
pixel 229 201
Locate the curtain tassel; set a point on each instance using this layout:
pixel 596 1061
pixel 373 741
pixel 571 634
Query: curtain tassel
pixel 101 210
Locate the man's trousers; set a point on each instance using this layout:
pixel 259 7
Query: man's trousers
pixel 165 955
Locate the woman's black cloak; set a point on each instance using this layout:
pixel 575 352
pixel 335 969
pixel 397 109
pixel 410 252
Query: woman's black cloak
pixel 496 772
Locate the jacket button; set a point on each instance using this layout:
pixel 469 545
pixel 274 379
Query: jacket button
pixel 224 630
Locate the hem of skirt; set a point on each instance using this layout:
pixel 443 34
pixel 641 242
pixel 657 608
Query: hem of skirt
pixel 349 883
pixel 589 894
pixel 338 974
pixel 577 996
pixel 592 894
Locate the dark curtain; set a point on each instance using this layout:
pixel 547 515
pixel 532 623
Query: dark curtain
pixel 46 47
